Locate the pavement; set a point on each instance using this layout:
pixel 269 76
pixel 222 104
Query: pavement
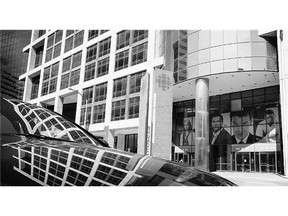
pixel 255 179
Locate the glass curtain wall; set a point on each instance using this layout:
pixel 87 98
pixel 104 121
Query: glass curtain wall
pixel 245 131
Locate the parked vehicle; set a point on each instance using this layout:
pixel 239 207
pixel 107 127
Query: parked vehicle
pixel 41 147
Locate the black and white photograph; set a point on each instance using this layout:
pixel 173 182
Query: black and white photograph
pixel 85 106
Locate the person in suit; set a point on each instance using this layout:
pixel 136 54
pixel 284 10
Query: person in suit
pixel 268 129
pixel 220 141
pixel 186 138
pixel 241 123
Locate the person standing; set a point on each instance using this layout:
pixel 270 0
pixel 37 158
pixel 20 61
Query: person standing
pixel 267 128
pixel 186 138
pixel 220 141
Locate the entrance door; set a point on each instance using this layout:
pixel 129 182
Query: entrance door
pixel 243 161
pixel 185 158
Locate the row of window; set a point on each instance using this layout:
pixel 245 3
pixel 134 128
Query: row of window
pixel 94 33
pixel 124 39
pixel 112 169
pixel 96 67
pixel 118 111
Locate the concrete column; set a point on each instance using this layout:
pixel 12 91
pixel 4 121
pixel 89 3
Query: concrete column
pixel 109 136
pixel 282 38
pixel 58 107
pixel 202 124
pixel 27 89
pixel 121 142
pixel 78 107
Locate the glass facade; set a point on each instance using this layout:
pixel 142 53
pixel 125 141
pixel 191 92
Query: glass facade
pixel 245 131
pixel 193 53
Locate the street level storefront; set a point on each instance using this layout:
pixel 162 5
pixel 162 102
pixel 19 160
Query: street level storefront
pixel 245 131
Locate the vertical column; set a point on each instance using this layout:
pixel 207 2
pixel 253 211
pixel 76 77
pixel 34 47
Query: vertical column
pixel 58 104
pixel 144 142
pixel 121 142
pixel 282 38
pixel 110 82
pixel 78 106
pixel 27 89
pixel 202 124
pixel 160 126
pixel 109 136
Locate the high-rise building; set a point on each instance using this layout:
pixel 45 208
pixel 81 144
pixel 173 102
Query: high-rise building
pixel 206 98
pixel 13 61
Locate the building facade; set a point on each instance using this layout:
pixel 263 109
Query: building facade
pixel 13 61
pixel 225 100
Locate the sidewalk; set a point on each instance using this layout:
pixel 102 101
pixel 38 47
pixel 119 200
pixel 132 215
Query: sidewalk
pixel 254 179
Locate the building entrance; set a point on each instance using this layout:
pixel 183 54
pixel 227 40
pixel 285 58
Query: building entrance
pixel 185 158
pixel 255 162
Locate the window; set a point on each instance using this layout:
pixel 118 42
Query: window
pixel 139 54
pixel 57 50
pixel 89 72
pixel 82 116
pixel 99 113
pixel 134 107
pixel 46 74
pixel 45 86
pixel 135 82
pixel 69 32
pixel 75 39
pixel 139 35
pixel 92 34
pixel 79 39
pixel 103 31
pixel 35 87
pixel 131 143
pixel 75 76
pixel 55 69
pixel 87 95
pixel 66 64
pixel 54 45
pixel 64 81
pixel 71 78
pixel 118 110
pixel 50 79
pixel 121 61
pixel 103 67
pixel 91 53
pixel 76 60
pixel 53 84
pixel 39 56
pixel 50 41
pixel 100 92
pixel 119 88
pixel 123 39
pixel 68 44
pixel 49 55
pixel 99 109
pixel 58 36
pixel 104 47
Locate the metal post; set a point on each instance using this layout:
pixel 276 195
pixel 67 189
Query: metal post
pixel 85 116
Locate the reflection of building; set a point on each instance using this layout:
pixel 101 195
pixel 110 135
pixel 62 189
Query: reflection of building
pixel 13 61
pixel 69 165
pixel 214 71
pixel 54 163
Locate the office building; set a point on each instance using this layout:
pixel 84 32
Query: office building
pixel 196 85
pixel 13 61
